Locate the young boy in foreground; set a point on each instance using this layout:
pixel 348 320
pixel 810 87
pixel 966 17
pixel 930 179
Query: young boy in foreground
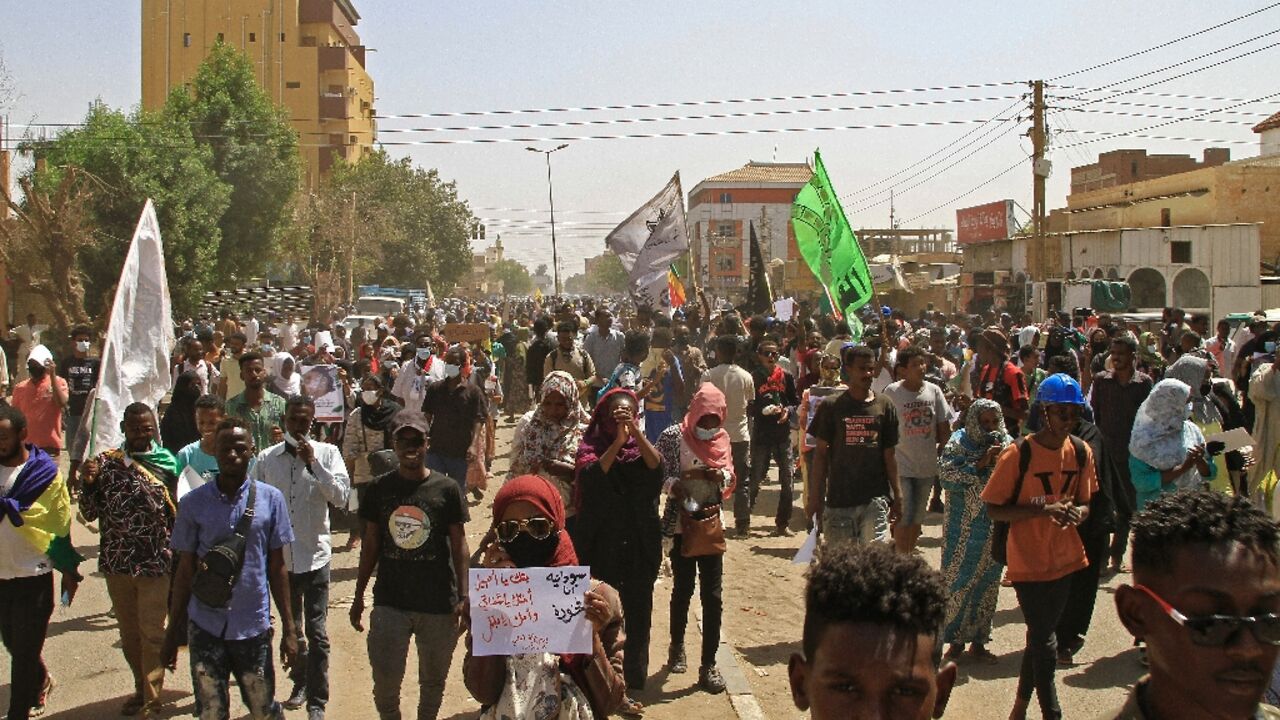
pixel 870 646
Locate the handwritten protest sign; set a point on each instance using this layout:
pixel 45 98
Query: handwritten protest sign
pixel 529 610
pixel 466 332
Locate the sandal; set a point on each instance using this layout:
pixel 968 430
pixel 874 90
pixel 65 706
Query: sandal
pixel 954 650
pixel 983 655
pixel 630 708
pixel 132 706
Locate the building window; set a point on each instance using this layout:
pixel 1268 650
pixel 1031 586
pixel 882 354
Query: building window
pixel 724 229
pixel 253 37
pixel 1166 217
pixel 335 90
pixel 293 85
pixel 726 198
pixel 1133 169
pixel 1180 252
pixel 725 263
pixel 353 139
pixel 186 39
pixel 219 37
pixel 281 37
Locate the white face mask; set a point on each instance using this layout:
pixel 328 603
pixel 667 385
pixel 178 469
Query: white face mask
pixel 452 371
pixel 424 353
pixel 369 397
pixel 82 346
pixel 1153 349
pixel 706 433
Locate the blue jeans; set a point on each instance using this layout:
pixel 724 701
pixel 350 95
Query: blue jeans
pixel 860 524
pixel 455 468
pixel 309 595
pixel 213 660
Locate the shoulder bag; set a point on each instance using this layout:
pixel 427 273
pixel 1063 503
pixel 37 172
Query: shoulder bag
pixel 219 569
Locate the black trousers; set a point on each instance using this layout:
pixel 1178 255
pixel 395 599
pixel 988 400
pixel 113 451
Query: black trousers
pixel 1125 500
pixel 1042 604
pixel 637 609
pixel 707 571
pixel 1078 613
pixel 25 607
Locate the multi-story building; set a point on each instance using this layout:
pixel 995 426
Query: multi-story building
pixel 1122 167
pixel 306 55
pixel 1240 191
pixel 721 211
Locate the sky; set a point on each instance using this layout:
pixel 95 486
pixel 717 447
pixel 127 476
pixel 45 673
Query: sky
pixel 433 57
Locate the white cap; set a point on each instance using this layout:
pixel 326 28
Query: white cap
pixel 40 354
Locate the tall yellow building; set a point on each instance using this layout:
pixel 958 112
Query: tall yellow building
pixel 306 54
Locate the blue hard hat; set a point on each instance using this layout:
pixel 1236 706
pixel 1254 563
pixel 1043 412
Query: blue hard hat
pixel 1060 389
pixel 885 311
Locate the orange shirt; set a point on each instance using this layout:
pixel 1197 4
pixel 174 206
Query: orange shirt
pixel 44 415
pixel 1039 550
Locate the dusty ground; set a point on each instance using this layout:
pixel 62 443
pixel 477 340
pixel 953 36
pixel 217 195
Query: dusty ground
pixel 763 595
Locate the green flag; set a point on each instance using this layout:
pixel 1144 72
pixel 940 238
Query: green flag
pixel 829 246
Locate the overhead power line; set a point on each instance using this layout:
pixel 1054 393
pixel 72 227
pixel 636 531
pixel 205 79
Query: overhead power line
pixel 1136 133
pixel 968 192
pixel 700 103
pixel 682 118
pixel 1175 41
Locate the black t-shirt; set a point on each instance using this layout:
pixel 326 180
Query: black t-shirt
pixel 415 569
pixel 766 428
pixel 454 413
pixel 81 376
pixel 858 432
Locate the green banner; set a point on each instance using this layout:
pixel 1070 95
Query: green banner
pixel 829 245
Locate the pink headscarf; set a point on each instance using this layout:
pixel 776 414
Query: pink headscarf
pixel 716 452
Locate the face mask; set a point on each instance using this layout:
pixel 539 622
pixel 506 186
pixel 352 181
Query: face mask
pixel 525 551
pixel 706 433
pixel 424 353
pixel 82 346
pixel 452 371
pixel 1269 346
pixel 1152 349
pixel 369 397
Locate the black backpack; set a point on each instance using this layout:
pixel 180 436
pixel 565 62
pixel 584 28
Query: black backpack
pixel 219 569
pixel 1000 528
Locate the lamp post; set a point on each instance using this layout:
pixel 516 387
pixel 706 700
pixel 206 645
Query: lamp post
pixel 555 258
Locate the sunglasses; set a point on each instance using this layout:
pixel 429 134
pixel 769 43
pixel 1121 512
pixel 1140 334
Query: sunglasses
pixel 769 353
pixel 538 528
pixel 1220 630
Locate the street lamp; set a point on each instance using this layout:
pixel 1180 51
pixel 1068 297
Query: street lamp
pixel 555 259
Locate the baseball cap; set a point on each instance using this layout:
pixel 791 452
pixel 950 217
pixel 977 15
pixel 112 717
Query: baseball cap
pixel 410 419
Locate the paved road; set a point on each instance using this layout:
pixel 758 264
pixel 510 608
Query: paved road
pixel 763 612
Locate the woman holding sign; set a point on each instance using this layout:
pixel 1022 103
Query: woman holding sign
pixel 529 531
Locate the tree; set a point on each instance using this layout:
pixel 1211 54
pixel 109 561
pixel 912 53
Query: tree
pixel 253 149
pixel 542 269
pixel 40 244
pixel 385 220
pixel 514 276
pixel 609 276
pixel 127 159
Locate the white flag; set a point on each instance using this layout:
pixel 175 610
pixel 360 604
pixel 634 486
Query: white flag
pixel 135 359
pixel 649 241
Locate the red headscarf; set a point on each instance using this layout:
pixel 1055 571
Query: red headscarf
pixel 538 492
pixel 716 452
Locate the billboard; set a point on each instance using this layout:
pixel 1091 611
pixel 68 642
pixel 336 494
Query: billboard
pixel 993 221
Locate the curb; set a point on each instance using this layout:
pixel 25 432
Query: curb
pixel 735 680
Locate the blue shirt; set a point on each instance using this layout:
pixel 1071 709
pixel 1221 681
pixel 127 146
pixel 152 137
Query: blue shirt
pixel 191 456
pixel 206 516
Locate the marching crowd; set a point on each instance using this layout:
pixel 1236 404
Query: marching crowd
pixel 1058 453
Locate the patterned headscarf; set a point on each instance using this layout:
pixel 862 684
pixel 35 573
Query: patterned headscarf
pixel 1193 370
pixel 978 437
pixel 1162 434
pixel 545 438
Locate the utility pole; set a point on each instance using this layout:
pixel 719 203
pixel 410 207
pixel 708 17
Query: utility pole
pixel 1039 171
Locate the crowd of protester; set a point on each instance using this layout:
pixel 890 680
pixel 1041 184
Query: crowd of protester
pixel 1057 452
